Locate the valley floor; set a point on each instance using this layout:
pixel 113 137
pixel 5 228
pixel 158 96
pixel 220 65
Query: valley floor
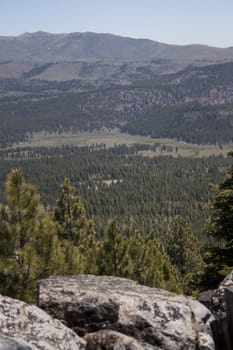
pixel 163 146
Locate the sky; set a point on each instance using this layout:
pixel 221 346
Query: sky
pixel 180 22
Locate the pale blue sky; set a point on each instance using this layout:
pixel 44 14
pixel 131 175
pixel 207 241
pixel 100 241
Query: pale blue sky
pixel 171 21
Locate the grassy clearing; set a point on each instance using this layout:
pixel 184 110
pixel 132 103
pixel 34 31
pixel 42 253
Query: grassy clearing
pixel 110 139
pixel 168 147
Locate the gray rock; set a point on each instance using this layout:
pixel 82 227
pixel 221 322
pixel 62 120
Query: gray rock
pixel 214 299
pixel 7 343
pixel 206 298
pixel 107 339
pixel 156 318
pixel 26 327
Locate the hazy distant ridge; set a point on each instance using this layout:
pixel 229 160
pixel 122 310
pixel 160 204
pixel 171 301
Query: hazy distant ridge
pixel 47 47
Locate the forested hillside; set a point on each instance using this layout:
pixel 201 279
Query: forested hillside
pixel 194 105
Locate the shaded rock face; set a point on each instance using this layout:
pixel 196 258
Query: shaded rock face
pixel 7 343
pixel 106 308
pixel 26 327
pixel 214 299
pixel 114 340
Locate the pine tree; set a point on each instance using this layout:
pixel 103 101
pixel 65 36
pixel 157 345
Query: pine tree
pixel 151 265
pixel 220 221
pixel 75 231
pixel 184 251
pixel 219 227
pixel 113 257
pixel 138 252
pixel 70 214
pixel 29 249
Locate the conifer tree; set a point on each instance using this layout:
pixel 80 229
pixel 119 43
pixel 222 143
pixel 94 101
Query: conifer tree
pixel 219 227
pixel 138 252
pixel 75 231
pixel 151 265
pixel 113 258
pixel 70 214
pixel 184 251
pixel 30 249
pixel 220 221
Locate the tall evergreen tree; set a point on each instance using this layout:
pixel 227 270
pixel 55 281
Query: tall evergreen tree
pixel 184 251
pixel 138 254
pixel 219 226
pixel 113 258
pixel 151 265
pixel 75 231
pixel 29 247
pixel 70 214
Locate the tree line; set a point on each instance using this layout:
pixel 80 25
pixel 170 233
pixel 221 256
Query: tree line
pixel 138 191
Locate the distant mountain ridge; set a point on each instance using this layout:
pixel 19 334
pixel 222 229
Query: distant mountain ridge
pixel 46 47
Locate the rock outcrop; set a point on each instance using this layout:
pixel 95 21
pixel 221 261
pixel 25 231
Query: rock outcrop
pixel 116 313
pixel 26 327
pixel 220 303
pixel 214 299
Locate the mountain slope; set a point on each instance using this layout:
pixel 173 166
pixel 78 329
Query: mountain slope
pixel 46 47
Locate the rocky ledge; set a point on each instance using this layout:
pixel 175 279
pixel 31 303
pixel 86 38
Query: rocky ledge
pixel 214 299
pixel 116 313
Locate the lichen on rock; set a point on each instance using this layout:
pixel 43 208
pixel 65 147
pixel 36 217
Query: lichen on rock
pixel 26 327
